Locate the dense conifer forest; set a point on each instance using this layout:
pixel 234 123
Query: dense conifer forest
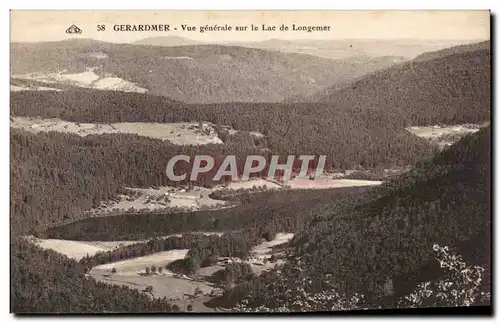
pixel 43 281
pixel 446 201
pixel 356 137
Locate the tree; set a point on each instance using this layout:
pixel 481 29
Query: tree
pixel 210 259
pixel 192 265
pixel 460 286
pixel 113 271
pixel 269 235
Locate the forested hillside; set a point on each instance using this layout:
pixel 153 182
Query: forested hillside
pixel 198 73
pixel 447 203
pixel 369 138
pixel 383 247
pixel 54 176
pixel 485 45
pixel 450 86
pixel 43 281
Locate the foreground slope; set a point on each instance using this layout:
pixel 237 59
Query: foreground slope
pixel 43 281
pixel 445 201
pixel 451 87
pixel 383 246
pixel 196 73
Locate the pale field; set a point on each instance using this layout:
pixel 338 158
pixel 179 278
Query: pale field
pixel 79 249
pixel 438 131
pixel 163 286
pixel 445 136
pixel 87 79
pixel 97 55
pixel 265 248
pixel 182 133
pixel 193 200
pixel 72 249
pixel 134 266
pixel 329 183
pixel 257 182
pixel 16 88
pixel 177 57
pixel 210 270
pixel 326 183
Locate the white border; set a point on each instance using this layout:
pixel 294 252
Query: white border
pixel 258 5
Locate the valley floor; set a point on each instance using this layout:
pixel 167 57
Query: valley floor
pixel 180 289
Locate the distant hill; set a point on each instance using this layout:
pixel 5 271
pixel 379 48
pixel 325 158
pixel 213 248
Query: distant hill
pixel 347 48
pixel 443 88
pixel 485 45
pixel 167 41
pixel 400 49
pixel 194 74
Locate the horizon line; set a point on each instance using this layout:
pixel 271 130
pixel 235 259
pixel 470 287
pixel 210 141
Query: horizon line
pixel 256 41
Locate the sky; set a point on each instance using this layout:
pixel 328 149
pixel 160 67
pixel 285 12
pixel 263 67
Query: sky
pixel 35 26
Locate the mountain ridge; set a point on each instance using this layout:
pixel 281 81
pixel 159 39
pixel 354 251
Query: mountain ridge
pixel 195 73
pixel 454 86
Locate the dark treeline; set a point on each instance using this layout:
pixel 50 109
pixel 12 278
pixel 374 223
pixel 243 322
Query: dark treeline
pixel 232 244
pixel 388 240
pixel 43 281
pixel 350 137
pixel 202 246
pixel 280 211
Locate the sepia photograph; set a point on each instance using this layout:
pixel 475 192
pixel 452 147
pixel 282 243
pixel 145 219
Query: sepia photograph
pixel 180 161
